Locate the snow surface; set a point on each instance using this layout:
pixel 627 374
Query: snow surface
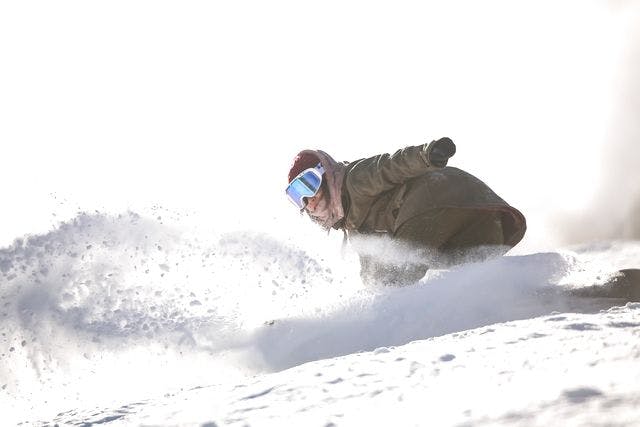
pixel 153 318
pixel 129 320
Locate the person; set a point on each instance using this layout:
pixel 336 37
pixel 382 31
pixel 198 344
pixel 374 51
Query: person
pixel 422 213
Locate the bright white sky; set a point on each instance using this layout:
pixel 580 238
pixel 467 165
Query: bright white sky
pixel 111 105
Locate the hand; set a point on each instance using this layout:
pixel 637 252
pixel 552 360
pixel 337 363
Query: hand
pixel 439 152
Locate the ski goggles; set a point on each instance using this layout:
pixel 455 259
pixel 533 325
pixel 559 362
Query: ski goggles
pixel 306 184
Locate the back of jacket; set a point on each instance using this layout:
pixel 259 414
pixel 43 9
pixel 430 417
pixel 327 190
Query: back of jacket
pixel 380 193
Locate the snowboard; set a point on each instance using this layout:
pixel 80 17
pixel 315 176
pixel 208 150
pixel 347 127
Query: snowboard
pixel 624 285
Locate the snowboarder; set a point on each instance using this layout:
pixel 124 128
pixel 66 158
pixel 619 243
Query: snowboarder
pixel 438 215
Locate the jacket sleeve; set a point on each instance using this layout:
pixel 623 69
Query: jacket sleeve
pixel 375 175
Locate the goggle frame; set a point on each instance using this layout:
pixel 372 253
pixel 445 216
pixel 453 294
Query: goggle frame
pixel 302 187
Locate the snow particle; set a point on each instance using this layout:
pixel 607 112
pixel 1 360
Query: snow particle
pixel 447 357
pixel 260 394
pixel 583 327
pixel 623 324
pixel 582 394
pixel 381 350
pixel 536 335
pixel 415 366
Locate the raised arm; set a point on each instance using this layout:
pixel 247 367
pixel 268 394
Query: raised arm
pixel 372 176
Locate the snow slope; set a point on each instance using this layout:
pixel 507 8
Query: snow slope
pixel 567 369
pixel 124 319
pixel 129 320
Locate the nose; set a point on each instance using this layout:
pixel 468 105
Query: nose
pixel 312 202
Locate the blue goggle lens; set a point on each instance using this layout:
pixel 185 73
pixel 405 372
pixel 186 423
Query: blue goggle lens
pixel 307 184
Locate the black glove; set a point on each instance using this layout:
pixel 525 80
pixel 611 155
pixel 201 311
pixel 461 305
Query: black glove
pixel 438 152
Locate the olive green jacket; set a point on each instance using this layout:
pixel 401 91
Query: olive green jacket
pixel 380 193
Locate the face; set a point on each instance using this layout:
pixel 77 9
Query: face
pixel 318 205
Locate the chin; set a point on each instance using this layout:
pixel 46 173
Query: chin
pixel 318 219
